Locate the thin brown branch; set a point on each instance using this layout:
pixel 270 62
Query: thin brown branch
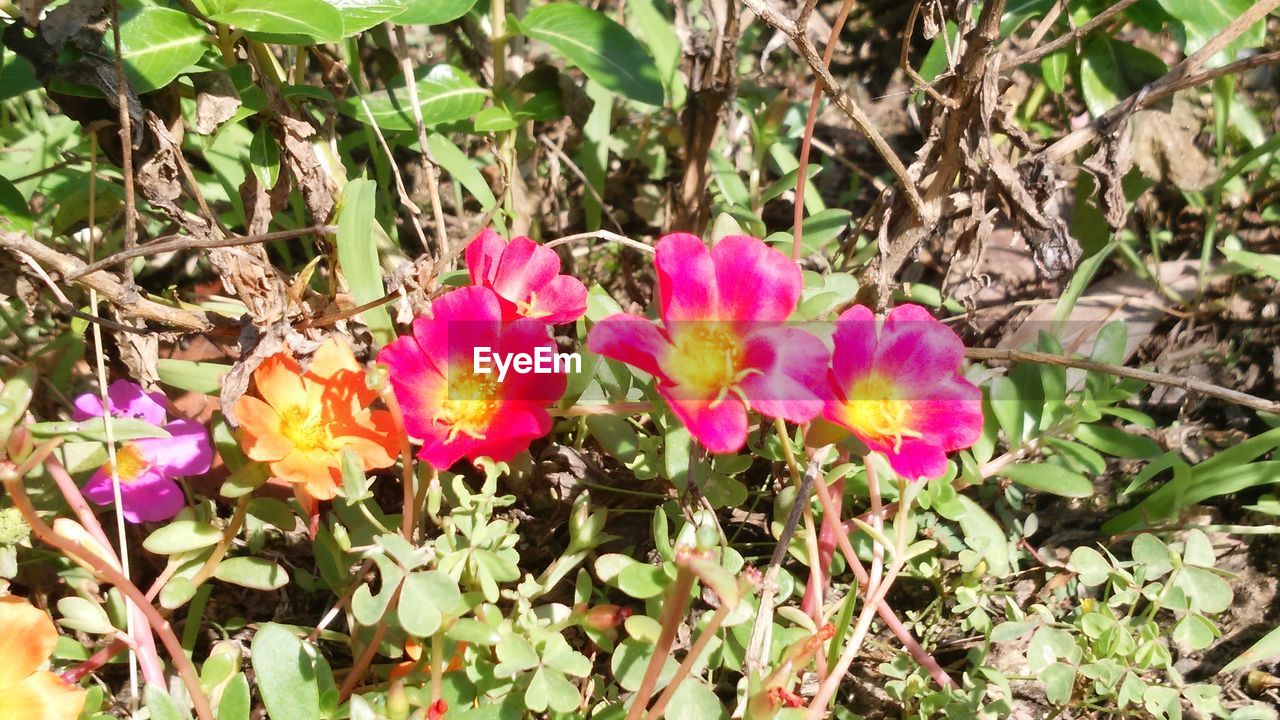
pixel 126 297
pixel 802 170
pixel 1189 384
pixel 1062 41
pixel 428 162
pixel 126 136
pixel 1180 77
pixel 173 243
pixel 841 98
pixel 904 61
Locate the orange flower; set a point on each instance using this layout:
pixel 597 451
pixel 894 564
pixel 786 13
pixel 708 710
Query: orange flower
pixel 306 419
pixel 27 691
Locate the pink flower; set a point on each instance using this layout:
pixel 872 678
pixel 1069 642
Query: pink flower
pixel 721 347
pixel 902 393
pixel 526 277
pixel 146 467
pixel 455 408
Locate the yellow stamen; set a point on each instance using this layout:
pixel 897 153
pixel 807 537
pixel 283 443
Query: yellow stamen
pixel 707 358
pixel 305 428
pixel 130 464
pixel 470 401
pixel 875 412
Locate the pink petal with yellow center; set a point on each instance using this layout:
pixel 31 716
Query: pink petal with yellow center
pixel 127 399
pixel 948 413
pixel 470 317
pixel 915 459
pixel 525 268
pixel 686 279
pixel 185 452
pixel 562 300
pixel 526 336
pixel 754 281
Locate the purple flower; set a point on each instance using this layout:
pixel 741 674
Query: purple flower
pixel 126 400
pixel 146 466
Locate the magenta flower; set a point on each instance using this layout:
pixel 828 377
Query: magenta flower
pixel 146 467
pixel 464 403
pixel 526 277
pixel 126 400
pixel 721 348
pixel 901 392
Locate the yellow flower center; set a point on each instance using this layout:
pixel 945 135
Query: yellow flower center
pixel 707 357
pixel 470 401
pixel 304 428
pixel 130 464
pixel 530 309
pixel 875 412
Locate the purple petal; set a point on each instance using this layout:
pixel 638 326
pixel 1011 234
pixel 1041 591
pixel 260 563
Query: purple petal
pixel 150 497
pixel 792 365
pixel 186 452
pixel 129 400
pixel 87 406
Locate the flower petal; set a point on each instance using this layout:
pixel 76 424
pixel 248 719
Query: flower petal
pixel 260 433
pixel 151 498
pixel 792 365
pixel 316 470
pixel 854 343
pixel 86 406
pixel 483 254
pixel 721 426
pixel 512 430
pixel 755 281
pixel 26 642
pixel 127 400
pixel 186 452
pixel 42 696
pixel 279 382
pixel 471 318
pixel 527 336
pixel 916 459
pixel 916 348
pixel 441 452
pixel 686 279
pixel 949 414
pixel 562 300
pixel 525 268
pixel 632 340
pixel 419 387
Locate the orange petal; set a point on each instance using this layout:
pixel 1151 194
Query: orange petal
pixel 279 381
pixel 26 642
pixel 312 469
pixel 331 358
pixel 42 696
pixel 261 435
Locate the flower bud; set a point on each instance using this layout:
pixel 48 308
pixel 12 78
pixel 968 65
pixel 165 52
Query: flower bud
pixel 585 526
pixel 398 706
pixel 606 617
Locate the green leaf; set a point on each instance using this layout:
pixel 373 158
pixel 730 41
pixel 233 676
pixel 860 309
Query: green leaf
pixel 293 22
pixel 693 700
pixel 15 214
pixel 424 599
pixel 642 581
pixel 162 706
pixel 1058 680
pixel 252 572
pixel 264 157
pixel 630 660
pixel 95 429
pixel 604 50
pixel 1194 632
pixel 1049 478
pixel 434 12
pixel 360 15
pixel 1264 650
pixel 1153 554
pixel 15 397
pixel 1257 263
pixel 1207 592
pixel 983 534
pixel 358 231
pixel 1203 19
pixel 445 94
pixel 158 44
pixel 1054 69
pixel 461 168
pixel 1111 71
pixel 176 593
pixel 192 375
pixel 615 435
pixel 1007 408
pixel 181 536
pixel 286 674
pixel 234 704
pixel 515 655
pixel 659 34
pixel 1090 565
pixel 1116 442
pixel 80 614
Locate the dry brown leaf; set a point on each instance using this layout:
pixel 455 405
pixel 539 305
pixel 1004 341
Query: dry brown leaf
pixel 216 100
pixel 1164 145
